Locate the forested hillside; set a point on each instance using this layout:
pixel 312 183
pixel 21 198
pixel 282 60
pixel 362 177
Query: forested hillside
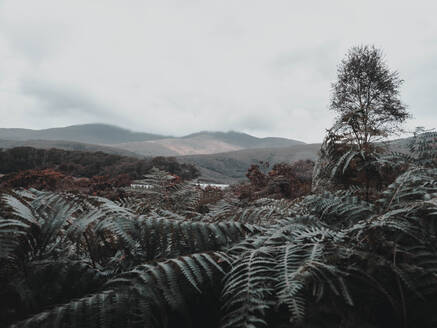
pixel 57 169
pixel 66 145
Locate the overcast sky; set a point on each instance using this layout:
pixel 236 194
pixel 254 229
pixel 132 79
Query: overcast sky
pixel 176 67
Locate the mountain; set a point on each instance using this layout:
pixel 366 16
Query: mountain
pixel 87 133
pixel 205 143
pixel 145 144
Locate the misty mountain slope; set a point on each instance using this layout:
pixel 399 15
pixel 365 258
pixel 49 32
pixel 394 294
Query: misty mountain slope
pixel 231 167
pixel 244 140
pixel 179 146
pixel 205 143
pixel 88 133
pixel 147 148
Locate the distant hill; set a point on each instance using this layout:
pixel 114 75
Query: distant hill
pixel 231 167
pixel 88 133
pixel 205 143
pixel 148 148
pixel 244 140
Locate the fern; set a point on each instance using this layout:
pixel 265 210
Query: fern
pixel 136 297
pixel 154 259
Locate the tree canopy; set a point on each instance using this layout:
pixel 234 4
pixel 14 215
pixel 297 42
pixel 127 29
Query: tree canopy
pixel 366 98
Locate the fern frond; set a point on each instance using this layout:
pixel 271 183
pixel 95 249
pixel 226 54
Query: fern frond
pixel 160 237
pixel 10 231
pixel 248 287
pixel 345 160
pixel 413 185
pixel 136 297
pixel 333 208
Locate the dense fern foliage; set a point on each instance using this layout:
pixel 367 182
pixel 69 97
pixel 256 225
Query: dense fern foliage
pixel 172 255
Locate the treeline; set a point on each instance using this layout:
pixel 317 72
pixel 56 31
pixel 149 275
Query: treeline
pixel 89 164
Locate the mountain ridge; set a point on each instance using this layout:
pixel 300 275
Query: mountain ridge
pixel 94 133
pixel 147 144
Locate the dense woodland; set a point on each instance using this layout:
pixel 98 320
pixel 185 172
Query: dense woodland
pixel 28 161
pixel 348 241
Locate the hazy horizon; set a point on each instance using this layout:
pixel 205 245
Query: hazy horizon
pixel 141 131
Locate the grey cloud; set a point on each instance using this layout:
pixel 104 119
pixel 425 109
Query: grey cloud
pixel 321 59
pixel 36 45
pixel 260 120
pixel 62 100
pixel 175 67
pixel 33 38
